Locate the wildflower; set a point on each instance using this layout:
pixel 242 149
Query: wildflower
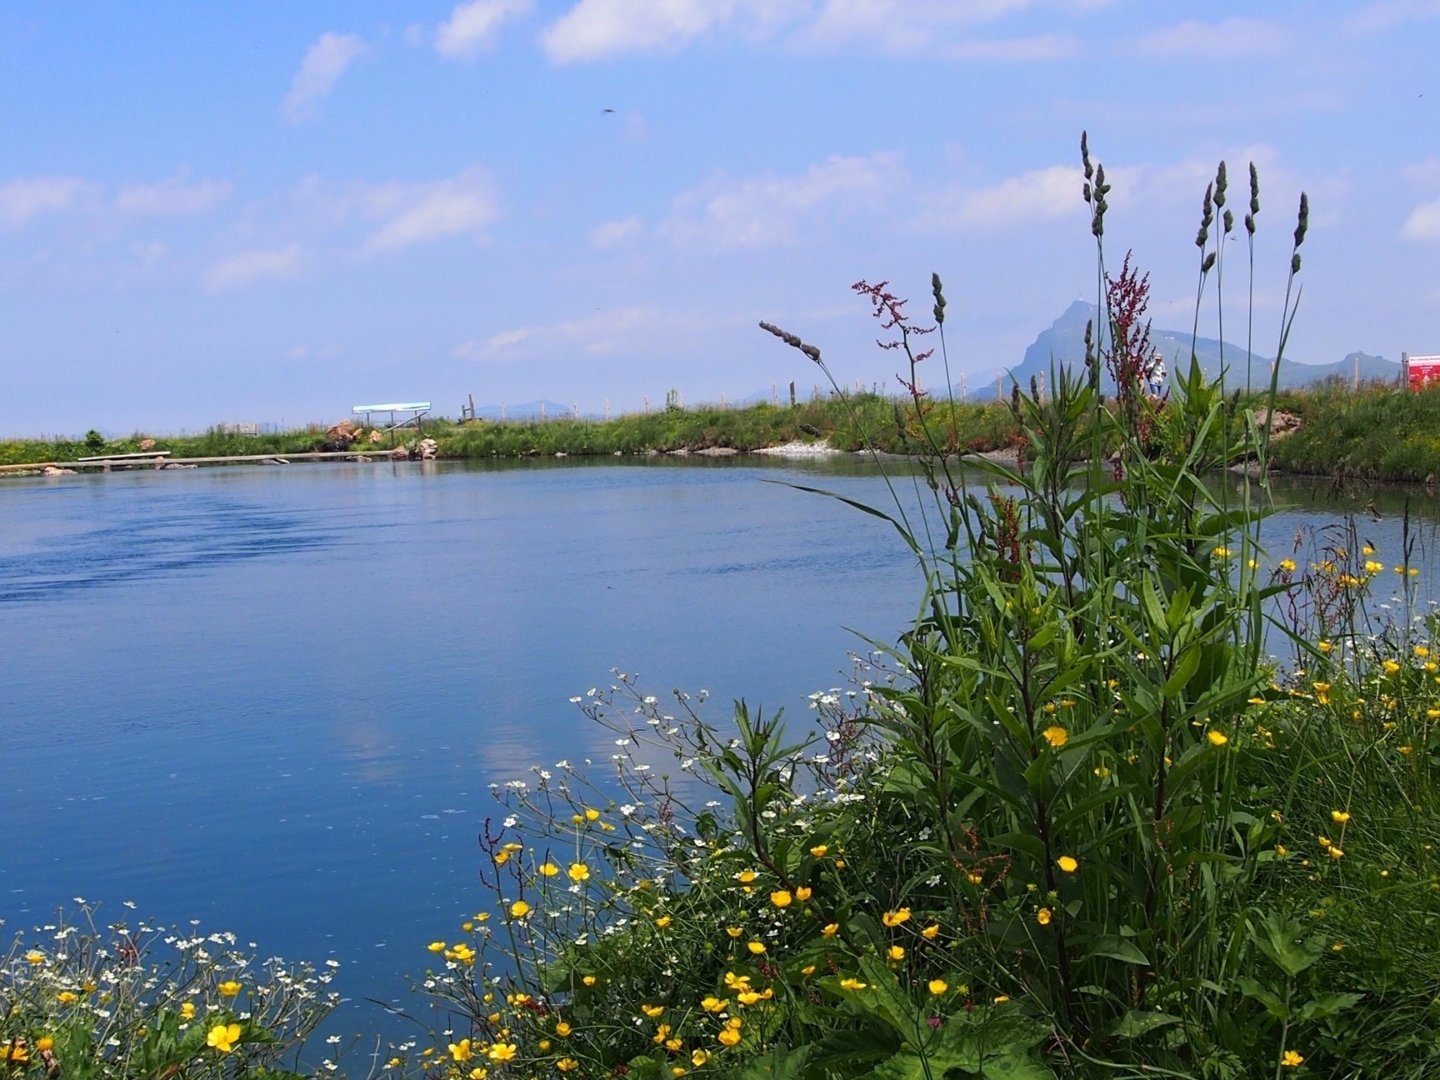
pixel 229 988
pixel 734 931
pixel 1000 999
pixel 223 1037
pixel 938 986
pixel 896 952
pixel 563 1029
pixel 1390 667
pixel 1325 646
pixel 44 1043
pixel 803 893
pixel 781 898
pixel 661 1034
pixel 1281 851
pixel 13 1052
pixel 500 1052
pixel 729 1037
pixel 68 997
pixel 893 919
pixel 698 1057
pixel 1221 552
pixel 1043 916
pixel 851 984
pixel 830 930
pixel 1288 565
pixel 757 948
pixel 567 1064
pixel 1102 772
pixel 1217 738
pixel 745 877
pixel 589 980
pixel 579 872
pixel 463 954
pixel 549 869
pixel 461 1051
pixel 809 969
pixel 591 814
pixel 187 1010
pixel 1068 863
pixel 819 850
pixel 663 921
pixel 652 1011
pixel 1056 736
pixel 1340 817
pixel 1422 651
pixel 35 956
pixel 712 1004
pixel 930 931
pixel 1335 853
pixel 1291 1060
pixel 519 909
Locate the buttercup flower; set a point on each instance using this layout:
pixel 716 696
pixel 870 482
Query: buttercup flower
pixel 781 898
pixel 229 988
pixel 519 909
pixel 1292 1060
pixel 893 919
pixel 1056 736
pixel 1068 863
pixel 579 872
pixel 461 1051
pixel 223 1037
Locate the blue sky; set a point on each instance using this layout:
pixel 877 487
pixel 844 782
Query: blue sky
pixel 274 211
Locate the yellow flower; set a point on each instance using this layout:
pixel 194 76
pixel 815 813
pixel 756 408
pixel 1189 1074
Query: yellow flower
pixel 1281 851
pixel 1291 1060
pixel 831 929
pixel 652 1011
pixel 756 948
pixel 819 850
pixel 802 893
pixel 549 869
pixel 851 984
pixel 677 1071
pixel 975 877
pixel 589 980
pixel 223 1037
pixel 745 877
pixel 735 931
pixel 729 1037
pixel 45 1042
pixel 519 909
pixel 1043 916
pixel 1221 552
pixel 1325 646
pixel 663 921
pixel 781 898
pixel 1217 738
pixel 501 858
pixel 1288 565
pixel 1056 736
pixel 1102 772
pixel 1340 817
pixel 698 1057
pixel 1067 863
pixel 35 956
pixel 896 952
pixel 563 1029
pixel 749 997
pixel 229 988
pixel 1390 667
pixel 499 1052
pixel 461 1051
pixel 567 1064
pixel 809 969
pixel 1000 999
pixel 893 919
pixel 436 946
pixel 579 872
pixel 463 954
pixel 67 997
pixel 591 814
pixel 930 931
pixel 712 1004
pixel 938 986
pixel 187 1010
pixel 1335 853
pixel 13 1052
pixel 661 1034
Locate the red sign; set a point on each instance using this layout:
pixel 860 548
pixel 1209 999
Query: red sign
pixel 1422 371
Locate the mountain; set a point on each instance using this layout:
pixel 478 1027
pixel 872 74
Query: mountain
pixel 1063 343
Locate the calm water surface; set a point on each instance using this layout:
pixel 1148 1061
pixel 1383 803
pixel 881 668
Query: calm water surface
pixel 273 699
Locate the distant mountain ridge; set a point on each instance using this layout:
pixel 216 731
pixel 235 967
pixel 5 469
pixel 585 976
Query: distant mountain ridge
pixel 1063 343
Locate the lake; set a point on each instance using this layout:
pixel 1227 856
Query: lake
pixel 273 699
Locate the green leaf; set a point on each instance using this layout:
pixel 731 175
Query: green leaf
pixel 1136 1023
pixel 1326 1005
pixel 1283 941
pixel 779 1064
pixel 1252 989
pixel 1117 948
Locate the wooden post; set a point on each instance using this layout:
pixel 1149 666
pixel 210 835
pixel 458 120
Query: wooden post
pixel 792 393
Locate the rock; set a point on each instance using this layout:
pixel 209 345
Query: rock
pixel 400 454
pixel 1284 423
pixel 55 470
pixel 345 431
pixel 717 451
pixel 377 437
pixel 428 449
pixel 147 444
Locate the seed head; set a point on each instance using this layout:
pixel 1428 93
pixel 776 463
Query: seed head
pixel 939 294
pixel 1302 223
pixel 1220 182
pixel 1207 216
pixel 1228 221
pixel 1085 159
pixel 1254 189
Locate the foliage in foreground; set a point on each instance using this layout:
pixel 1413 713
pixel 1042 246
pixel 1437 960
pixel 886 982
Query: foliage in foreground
pixel 1074 823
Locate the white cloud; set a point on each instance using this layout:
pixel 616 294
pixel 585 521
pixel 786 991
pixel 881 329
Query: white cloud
pixel 327 60
pixel 770 211
pixel 615 233
pixel 900 25
pixel 260 264
pixel 24 199
pixel 1222 40
pixel 474 25
pixel 175 197
pixel 593 29
pixel 418 213
pixel 1423 222
pixel 604 333
pixel 1035 196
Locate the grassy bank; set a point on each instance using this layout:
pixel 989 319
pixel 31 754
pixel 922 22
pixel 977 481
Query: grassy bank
pixel 1374 433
